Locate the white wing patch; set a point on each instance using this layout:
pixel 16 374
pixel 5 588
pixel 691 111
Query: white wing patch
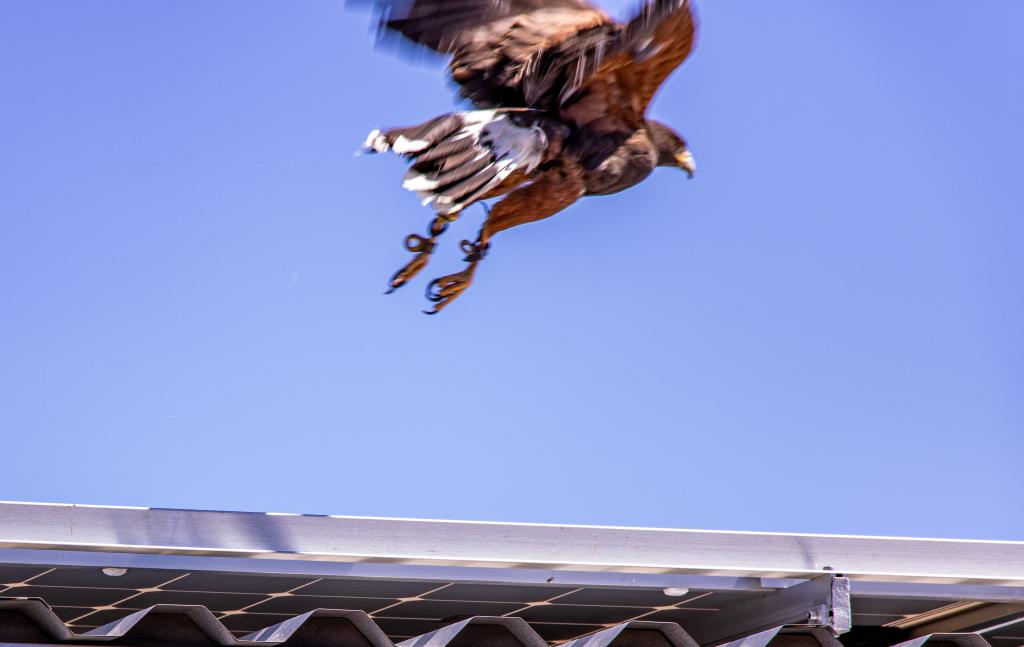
pixel 404 146
pixel 493 135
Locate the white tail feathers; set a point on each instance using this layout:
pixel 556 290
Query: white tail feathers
pixel 376 142
pixel 458 158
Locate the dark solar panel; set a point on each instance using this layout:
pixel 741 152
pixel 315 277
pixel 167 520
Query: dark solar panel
pixel 212 600
pixel 681 615
pixel 624 597
pixel 89 598
pixel 498 593
pixel 580 613
pixel 66 596
pixel 136 578
pixel 225 583
pixel 246 603
pixel 14 574
pixel 448 609
pixel 370 588
pixel 295 604
pixel 67 614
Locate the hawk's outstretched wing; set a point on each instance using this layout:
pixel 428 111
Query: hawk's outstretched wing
pixel 538 53
pixel 507 53
pixel 609 105
pixel 652 45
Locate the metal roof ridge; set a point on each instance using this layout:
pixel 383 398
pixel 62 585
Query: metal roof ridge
pixel 537 524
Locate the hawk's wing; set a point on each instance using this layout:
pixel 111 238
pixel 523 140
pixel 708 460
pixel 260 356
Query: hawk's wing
pixel 511 53
pixel 538 53
pixel 609 105
pixel 653 44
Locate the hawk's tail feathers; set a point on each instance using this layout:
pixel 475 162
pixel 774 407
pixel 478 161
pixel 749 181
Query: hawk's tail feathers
pixel 458 158
pixel 405 141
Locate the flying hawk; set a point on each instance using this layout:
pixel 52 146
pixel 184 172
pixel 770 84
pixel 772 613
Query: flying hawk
pixel 559 93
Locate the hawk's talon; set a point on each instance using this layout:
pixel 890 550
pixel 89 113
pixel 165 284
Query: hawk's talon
pixel 445 289
pixel 423 248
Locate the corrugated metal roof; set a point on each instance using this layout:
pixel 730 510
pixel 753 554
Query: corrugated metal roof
pixel 31 622
pixel 28 621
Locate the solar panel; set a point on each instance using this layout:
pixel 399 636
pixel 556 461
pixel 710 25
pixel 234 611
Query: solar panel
pixel 86 598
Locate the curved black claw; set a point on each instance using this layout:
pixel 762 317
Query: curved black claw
pixel 423 247
pixel 446 289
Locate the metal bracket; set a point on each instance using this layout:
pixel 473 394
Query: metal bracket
pixel 823 601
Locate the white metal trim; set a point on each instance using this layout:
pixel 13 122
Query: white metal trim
pixel 508 545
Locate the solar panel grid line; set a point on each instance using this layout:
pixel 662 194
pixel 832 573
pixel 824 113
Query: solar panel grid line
pixel 647 614
pixel 548 601
pixel 297 588
pixel 119 602
pixel 401 601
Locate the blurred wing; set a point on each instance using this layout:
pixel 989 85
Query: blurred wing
pixel 443 25
pixel 653 45
pixel 512 53
pixel 607 106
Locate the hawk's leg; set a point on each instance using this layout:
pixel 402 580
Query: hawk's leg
pixel 446 289
pixel 552 190
pixel 423 248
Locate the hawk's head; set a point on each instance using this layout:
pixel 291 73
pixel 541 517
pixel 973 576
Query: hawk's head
pixel 672 150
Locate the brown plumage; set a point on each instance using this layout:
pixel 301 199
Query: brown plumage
pixel 560 92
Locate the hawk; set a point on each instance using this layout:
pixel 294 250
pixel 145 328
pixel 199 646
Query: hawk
pixel 558 92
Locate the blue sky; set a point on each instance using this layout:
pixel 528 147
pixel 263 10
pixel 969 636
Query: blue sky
pixel 822 332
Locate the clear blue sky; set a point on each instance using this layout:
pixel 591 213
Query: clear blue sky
pixel 822 332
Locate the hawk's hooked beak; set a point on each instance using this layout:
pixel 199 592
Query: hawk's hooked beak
pixel 687 163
